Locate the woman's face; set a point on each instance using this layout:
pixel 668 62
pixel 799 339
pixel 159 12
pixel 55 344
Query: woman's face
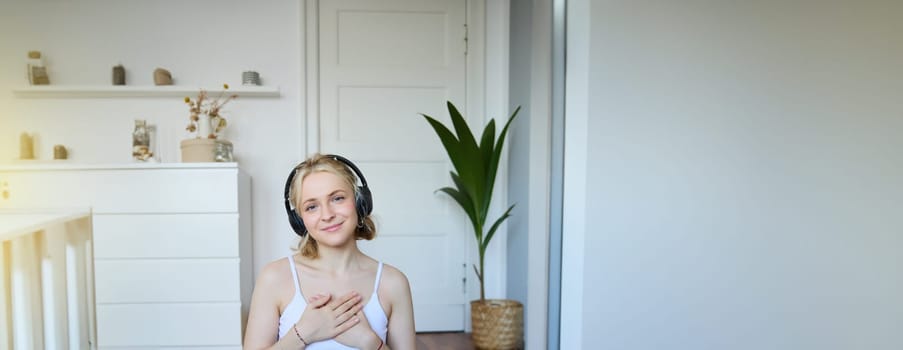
pixel 327 208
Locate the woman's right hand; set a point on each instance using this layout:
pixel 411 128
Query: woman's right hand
pixel 326 317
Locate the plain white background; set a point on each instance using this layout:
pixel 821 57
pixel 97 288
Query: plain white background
pixel 742 166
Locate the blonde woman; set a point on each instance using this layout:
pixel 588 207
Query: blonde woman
pixel 328 294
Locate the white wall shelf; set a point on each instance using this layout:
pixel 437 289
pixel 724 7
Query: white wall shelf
pixel 100 91
pixel 68 165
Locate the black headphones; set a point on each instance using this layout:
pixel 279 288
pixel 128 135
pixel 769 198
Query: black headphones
pixel 363 200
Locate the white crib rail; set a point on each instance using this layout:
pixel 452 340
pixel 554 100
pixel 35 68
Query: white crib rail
pixel 46 280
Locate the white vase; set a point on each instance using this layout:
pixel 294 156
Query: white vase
pixel 204 127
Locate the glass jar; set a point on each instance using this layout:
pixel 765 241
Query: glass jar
pixel 223 151
pixel 141 141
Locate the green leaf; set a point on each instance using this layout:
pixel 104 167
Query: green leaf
pixel 487 142
pixel 463 200
pixel 470 168
pixel 461 128
pixel 487 145
pixel 449 141
pixel 497 152
pixel 494 227
pixel 464 188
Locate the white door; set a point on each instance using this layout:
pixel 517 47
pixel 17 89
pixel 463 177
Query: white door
pixel 380 64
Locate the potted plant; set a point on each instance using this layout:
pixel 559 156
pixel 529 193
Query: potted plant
pixel 496 323
pixel 205 122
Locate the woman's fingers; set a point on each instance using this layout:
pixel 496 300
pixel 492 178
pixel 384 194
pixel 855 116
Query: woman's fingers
pixel 346 325
pixel 319 300
pixel 348 305
pixel 345 302
pixel 350 313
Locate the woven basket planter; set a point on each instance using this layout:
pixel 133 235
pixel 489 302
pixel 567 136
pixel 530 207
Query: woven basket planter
pixel 497 324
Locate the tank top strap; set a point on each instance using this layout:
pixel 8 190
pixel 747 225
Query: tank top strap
pixel 291 264
pixel 379 272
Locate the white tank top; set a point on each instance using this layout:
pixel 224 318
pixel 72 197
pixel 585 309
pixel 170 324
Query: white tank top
pixel 374 312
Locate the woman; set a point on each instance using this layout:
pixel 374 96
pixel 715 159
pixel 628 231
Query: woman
pixel 352 301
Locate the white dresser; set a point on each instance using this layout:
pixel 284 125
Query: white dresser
pixel 172 246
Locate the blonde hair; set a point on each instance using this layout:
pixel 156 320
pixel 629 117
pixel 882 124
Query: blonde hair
pixel 366 228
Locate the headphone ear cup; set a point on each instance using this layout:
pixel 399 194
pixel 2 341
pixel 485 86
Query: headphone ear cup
pixel 364 203
pixel 297 224
pixel 293 219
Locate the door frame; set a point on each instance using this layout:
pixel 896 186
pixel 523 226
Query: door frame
pixel 574 215
pixel 486 96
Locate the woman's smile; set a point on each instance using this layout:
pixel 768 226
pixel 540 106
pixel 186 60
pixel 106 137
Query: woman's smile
pixel 332 228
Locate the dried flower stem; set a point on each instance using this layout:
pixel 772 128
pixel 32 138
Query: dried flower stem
pixel 210 107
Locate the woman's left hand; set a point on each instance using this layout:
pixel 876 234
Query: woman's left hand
pixel 360 336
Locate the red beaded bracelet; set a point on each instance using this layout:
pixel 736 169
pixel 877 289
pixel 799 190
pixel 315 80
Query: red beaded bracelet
pixel 295 327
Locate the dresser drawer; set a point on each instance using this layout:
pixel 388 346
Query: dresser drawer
pixel 166 236
pixel 17 189
pixel 174 325
pixel 167 280
pixel 124 190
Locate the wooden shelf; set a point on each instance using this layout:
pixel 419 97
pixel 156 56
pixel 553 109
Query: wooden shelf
pixel 99 91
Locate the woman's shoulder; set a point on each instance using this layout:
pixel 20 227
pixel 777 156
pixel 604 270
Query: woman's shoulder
pixel 274 273
pixel 394 281
pixel 394 287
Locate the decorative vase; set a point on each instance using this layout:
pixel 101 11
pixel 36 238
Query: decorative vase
pixel 162 77
pixel 204 126
pixel 198 150
pixel 26 146
pixel 497 324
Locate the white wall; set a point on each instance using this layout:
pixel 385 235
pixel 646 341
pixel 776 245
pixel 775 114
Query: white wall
pixel 202 42
pixel 744 176
pixel 519 143
pixel 528 174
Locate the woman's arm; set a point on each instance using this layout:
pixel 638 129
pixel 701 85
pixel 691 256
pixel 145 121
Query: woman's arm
pixel 262 329
pixel 401 321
